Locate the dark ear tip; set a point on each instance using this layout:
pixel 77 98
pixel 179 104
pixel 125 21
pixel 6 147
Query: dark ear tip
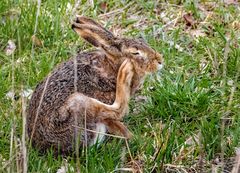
pixel 73 26
pixel 77 19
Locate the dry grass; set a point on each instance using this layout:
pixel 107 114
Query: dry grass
pixel 188 120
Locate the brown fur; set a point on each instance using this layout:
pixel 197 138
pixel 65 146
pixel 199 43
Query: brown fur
pixel 50 124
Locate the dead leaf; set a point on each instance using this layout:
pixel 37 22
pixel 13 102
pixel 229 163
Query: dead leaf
pixel 13 14
pixel 209 6
pixel 141 98
pixel 10 48
pixel 189 19
pixel 164 17
pixel 27 93
pixel 230 82
pixel 194 139
pixel 203 65
pixel 10 95
pixel 236 25
pixel 103 6
pixel 135 166
pixel 197 33
pixel 36 41
pixel 176 46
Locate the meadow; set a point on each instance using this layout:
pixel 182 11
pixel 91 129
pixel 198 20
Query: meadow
pixel 185 119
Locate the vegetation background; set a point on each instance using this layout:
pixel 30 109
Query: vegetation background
pixel 186 120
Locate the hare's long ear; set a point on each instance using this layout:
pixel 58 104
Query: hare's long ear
pixel 98 36
pixel 89 21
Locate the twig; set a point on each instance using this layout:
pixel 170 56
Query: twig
pixel 11 142
pixel 123 157
pixel 39 106
pixel 123 169
pixel 24 148
pixel 77 137
pixel 12 111
pixel 8 162
pixel 233 89
pixel 176 166
pixel 215 64
pixel 77 3
pixel 225 58
pixel 32 55
pixel 170 4
pixel 36 25
pixel 222 143
pixel 115 11
pixel 85 133
pixel 129 151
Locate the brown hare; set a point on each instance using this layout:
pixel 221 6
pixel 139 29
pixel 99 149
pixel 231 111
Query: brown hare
pixel 90 90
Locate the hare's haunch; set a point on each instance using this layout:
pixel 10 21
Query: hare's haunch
pixel 105 80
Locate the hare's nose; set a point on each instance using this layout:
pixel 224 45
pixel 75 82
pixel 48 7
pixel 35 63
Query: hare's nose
pixel 160 63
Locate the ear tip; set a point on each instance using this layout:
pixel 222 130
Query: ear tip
pixel 76 25
pixel 73 26
pixel 78 19
pixel 82 19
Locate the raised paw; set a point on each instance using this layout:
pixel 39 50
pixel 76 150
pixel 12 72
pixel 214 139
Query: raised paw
pixel 126 72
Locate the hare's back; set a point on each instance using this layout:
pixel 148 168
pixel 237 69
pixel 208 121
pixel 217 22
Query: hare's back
pixel 95 77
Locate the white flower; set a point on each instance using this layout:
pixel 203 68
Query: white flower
pixel 10 48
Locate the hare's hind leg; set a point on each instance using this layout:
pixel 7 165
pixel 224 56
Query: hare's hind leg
pixel 100 110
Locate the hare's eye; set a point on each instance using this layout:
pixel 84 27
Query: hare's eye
pixel 135 53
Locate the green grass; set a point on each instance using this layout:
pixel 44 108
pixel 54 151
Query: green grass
pixel 191 112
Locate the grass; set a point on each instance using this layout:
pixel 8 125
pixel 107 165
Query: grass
pixel 188 117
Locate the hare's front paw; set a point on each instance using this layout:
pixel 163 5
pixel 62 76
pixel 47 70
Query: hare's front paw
pixel 126 72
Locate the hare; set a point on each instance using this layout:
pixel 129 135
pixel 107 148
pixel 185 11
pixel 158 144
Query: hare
pixel 94 87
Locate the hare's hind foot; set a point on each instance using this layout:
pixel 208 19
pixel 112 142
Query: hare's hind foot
pixel 117 128
pixel 113 127
pixel 101 131
pixel 109 126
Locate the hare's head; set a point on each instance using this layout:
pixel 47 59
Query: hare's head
pixel 145 59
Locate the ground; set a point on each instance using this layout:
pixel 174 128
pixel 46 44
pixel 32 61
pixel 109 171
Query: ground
pixel 186 119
